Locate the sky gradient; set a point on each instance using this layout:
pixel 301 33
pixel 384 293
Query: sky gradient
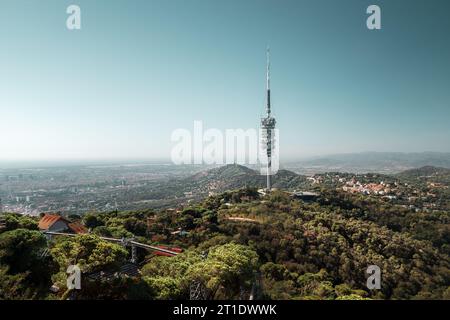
pixel 137 70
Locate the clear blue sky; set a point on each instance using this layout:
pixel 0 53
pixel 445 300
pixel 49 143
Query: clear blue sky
pixel 140 69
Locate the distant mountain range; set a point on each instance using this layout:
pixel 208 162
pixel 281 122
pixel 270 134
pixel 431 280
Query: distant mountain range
pixel 382 162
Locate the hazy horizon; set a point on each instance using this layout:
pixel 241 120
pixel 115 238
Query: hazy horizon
pixel 37 163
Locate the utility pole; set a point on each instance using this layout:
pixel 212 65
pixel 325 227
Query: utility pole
pixel 133 254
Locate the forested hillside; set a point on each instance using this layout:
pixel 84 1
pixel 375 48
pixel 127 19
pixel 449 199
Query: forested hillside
pixel 237 244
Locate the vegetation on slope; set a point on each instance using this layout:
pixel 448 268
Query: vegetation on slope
pixel 237 243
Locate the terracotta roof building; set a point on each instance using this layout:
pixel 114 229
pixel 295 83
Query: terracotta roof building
pixel 77 227
pixel 57 223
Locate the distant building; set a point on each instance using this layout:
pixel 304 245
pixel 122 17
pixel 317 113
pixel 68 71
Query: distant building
pixel 180 232
pixel 305 195
pixel 57 223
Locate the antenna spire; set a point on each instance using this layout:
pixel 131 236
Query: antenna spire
pixel 268 82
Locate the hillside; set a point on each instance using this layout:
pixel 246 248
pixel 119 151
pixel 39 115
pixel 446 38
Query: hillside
pixel 426 171
pixel 234 176
pixel 287 248
pixel 428 176
pixel 178 191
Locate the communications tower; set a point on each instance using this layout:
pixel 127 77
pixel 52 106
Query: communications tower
pixel 268 126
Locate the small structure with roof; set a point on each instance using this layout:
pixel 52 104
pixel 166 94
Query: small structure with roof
pixel 57 223
pixel 305 195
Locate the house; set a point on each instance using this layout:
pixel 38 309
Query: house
pixel 57 223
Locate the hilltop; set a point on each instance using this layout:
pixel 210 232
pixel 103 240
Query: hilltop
pixel 234 176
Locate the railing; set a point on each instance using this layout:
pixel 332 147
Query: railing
pixel 125 242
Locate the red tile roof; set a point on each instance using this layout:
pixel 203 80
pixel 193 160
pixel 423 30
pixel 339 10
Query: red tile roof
pixel 160 253
pixel 77 227
pixel 48 220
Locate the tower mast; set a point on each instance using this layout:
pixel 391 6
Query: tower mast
pixel 268 82
pixel 268 124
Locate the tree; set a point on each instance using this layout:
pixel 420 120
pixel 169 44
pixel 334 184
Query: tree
pixel 13 287
pixel 18 221
pixel 223 272
pixel 20 249
pixel 135 226
pixel 91 220
pixel 25 271
pixel 226 269
pixel 89 252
